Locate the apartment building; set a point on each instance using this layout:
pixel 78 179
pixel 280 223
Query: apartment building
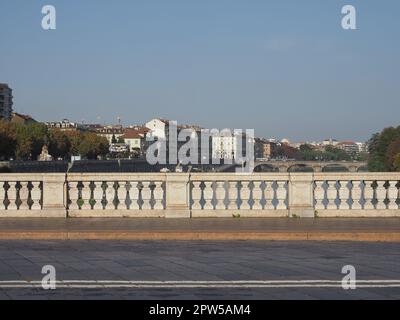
pixel 6 101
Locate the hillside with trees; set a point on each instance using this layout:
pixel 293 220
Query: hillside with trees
pixel 25 142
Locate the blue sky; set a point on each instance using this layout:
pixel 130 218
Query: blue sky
pixel 283 67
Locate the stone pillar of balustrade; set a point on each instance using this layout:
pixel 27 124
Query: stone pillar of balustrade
pixel 54 195
pixel 177 195
pixel 301 195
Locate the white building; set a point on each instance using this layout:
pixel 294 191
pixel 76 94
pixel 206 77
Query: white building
pixel 158 127
pixel 134 138
pixel 225 145
pixel 110 132
pixel 64 125
pixel 330 142
pixel 348 146
pixel 362 147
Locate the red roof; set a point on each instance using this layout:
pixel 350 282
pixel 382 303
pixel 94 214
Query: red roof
pixel 133 134
pixel 347 142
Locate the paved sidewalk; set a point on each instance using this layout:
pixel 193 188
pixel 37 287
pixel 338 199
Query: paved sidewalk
pixel 326 229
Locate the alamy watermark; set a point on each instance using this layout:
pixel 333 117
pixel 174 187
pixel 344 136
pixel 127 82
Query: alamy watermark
pixel 183 146
pixel 49 18
pixel 348 21
pixel 349 280
pixel 49 280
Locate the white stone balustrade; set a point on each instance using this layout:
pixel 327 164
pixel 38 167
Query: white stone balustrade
pixel 230 194
pixel 115 194
pixel 367 194
pixel 32 195
pixel 200 195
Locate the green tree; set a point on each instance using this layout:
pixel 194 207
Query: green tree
pixel 8 140
pixel 306 148
pixel 25 142
pixel 378 148
pixel 75 139
pixel 59 144
pixel 113 139
pixel 396 162
pixel 308 153
pixel 30 140
pixel 392 151
pixel 286 151
pixel 93 146
pixel 362 156
pixel 336 154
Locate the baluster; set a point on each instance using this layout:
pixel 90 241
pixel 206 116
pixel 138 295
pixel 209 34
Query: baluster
pixel 319 195
pixel 110 195
pixel 2 195
pixel 208 195
pixel 368 195
pixel 281 194
pixel 344 195
pixel 24 196
pixel 146 195
pixel 356 194
pixel 73 193
pixel 121 194
pixel 220 195
pixel 36 195
pixel 393 195
pixel 158 193
pixel 381 193
pixel 86 195
pixel 12 195
pixel 98 195
pixel 245 194
pixel 331 195
pixel 196 195
pixel 257 195
pixel 269 195
pixel 233 195
pixel 134 196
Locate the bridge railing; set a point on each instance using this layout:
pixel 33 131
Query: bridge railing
pixel 111 194
pixel 253 195
pixel 32 195
pixel 200 195
pixel 363 194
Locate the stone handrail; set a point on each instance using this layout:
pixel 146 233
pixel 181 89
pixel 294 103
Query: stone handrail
pixel 200 195
pixel 116 194
pixel 228 195
pixel 32 195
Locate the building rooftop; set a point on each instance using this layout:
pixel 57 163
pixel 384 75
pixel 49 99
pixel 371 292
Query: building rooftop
pixel 133 134
pixel 25 117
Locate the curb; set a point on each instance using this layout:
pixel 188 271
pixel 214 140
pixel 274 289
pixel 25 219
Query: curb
pixel 201 236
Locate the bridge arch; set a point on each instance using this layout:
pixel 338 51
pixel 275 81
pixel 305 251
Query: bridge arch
pixel 300 167
pixel 310 166
pixel 362 169
pixel 335 167
pixel 264 167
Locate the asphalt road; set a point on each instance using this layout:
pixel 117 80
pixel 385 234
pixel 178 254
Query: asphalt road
pixel 198 270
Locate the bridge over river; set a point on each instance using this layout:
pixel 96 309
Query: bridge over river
pixel 143 166
pixel 309 166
